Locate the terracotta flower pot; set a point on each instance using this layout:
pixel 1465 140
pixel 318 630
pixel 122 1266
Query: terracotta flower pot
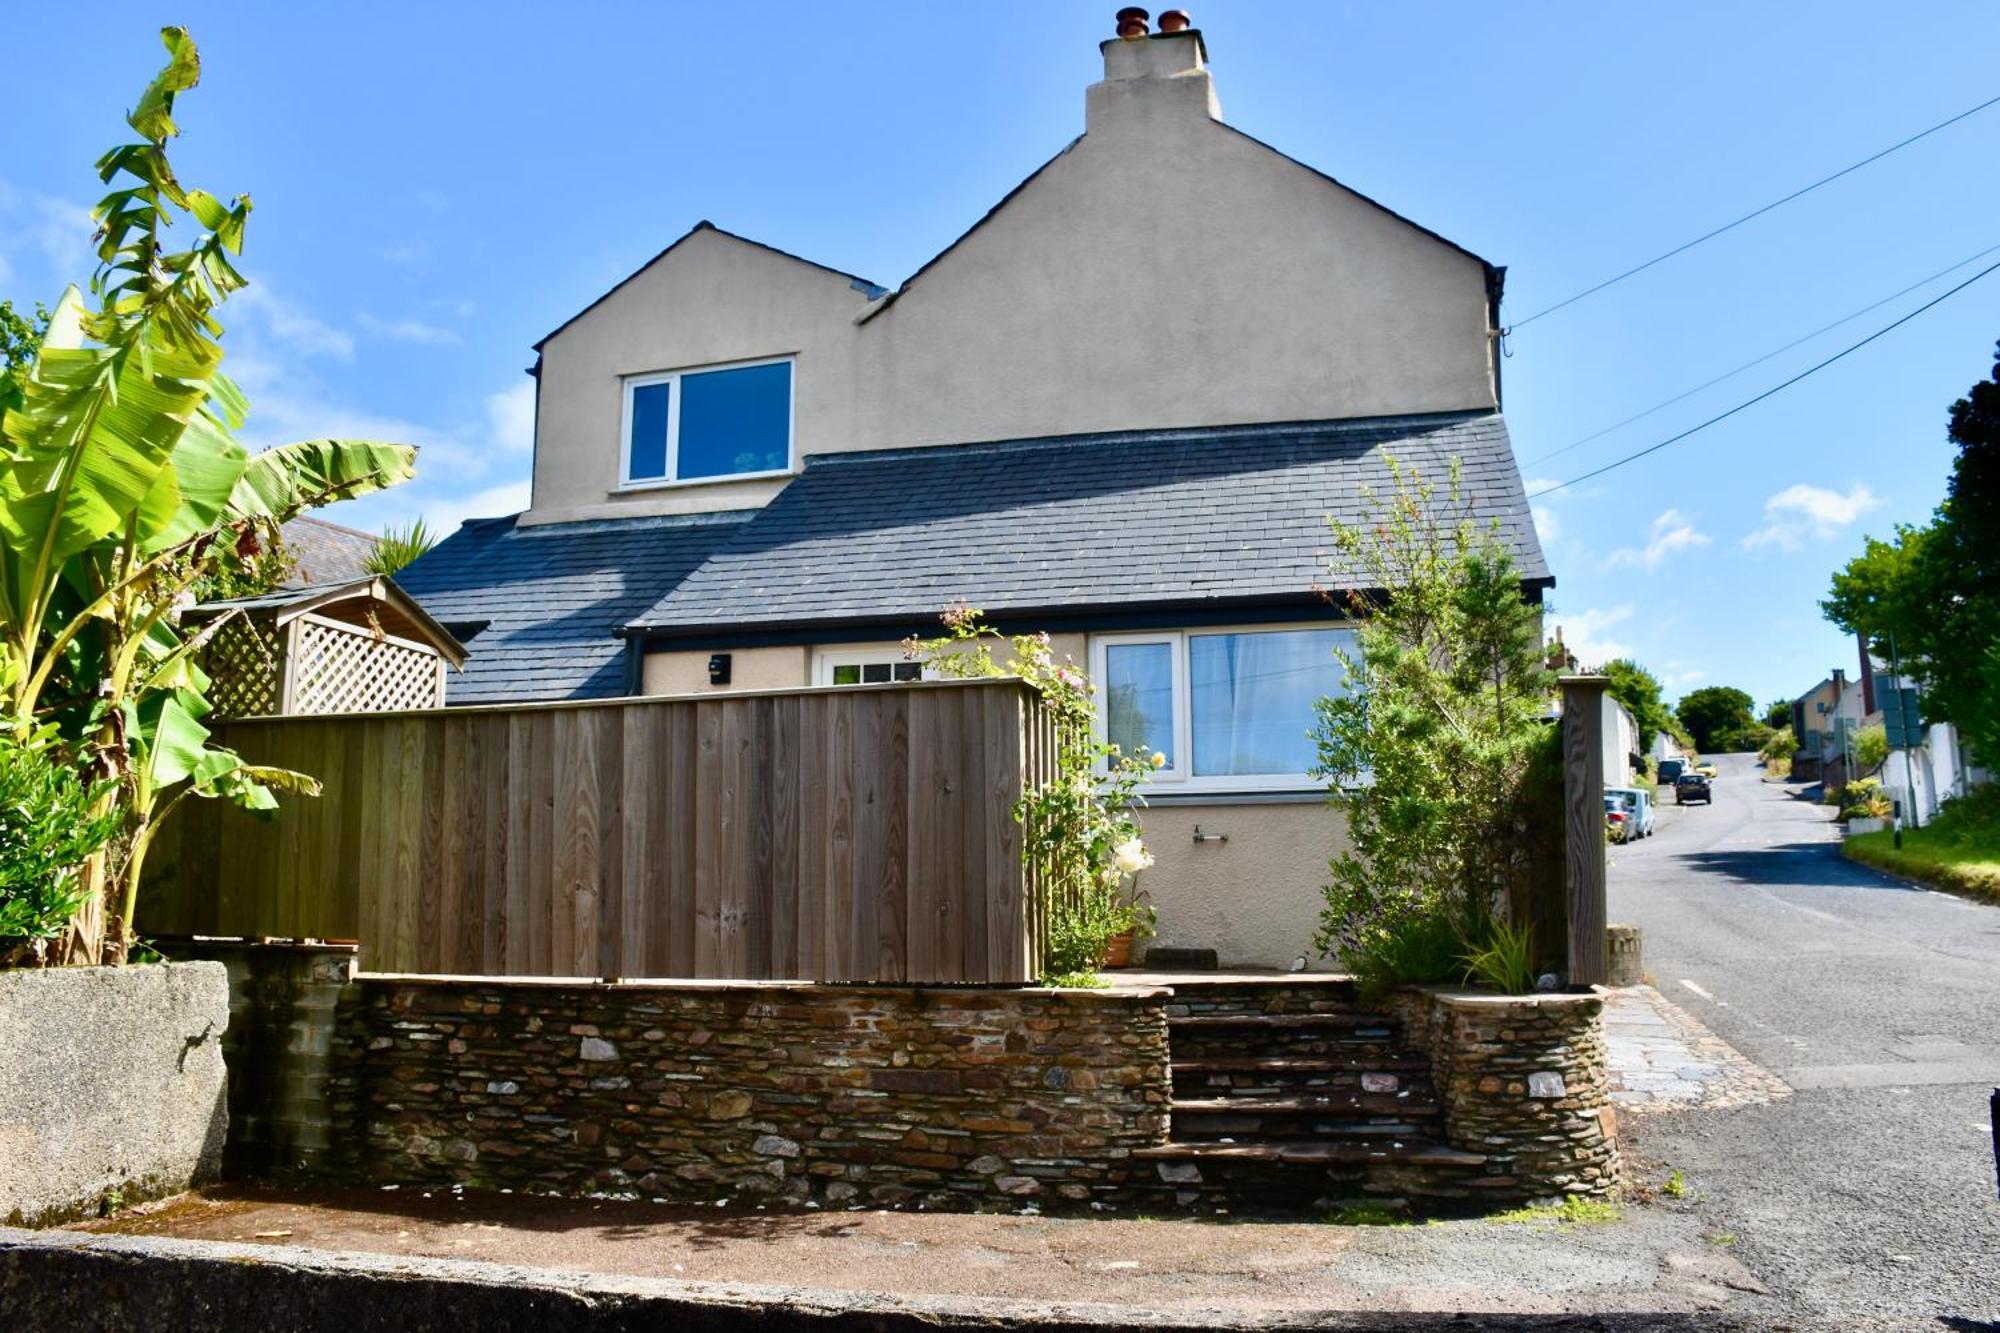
pixel 1118 950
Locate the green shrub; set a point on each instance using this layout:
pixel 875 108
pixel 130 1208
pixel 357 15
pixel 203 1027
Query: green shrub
pixel 1506 961
pixel 1864 799
pixel 1440 751
pixel 46 832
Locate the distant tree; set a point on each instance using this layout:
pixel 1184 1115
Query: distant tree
pixel 1639 690
pixel 1933 593
pixel 1718 717
pixel 1778 717
pixel 1871 747
pixel 20 339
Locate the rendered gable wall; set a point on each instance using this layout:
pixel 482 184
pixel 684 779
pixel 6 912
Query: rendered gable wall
pixel 1163 271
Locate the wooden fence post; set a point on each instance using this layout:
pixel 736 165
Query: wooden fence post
pixel 1583 810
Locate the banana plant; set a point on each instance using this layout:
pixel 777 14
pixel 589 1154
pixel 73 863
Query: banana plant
pixel 123 485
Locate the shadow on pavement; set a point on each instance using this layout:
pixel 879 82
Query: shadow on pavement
pixel 1818 864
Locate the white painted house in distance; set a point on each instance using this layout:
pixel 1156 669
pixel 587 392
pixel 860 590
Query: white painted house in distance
pixel 1119 409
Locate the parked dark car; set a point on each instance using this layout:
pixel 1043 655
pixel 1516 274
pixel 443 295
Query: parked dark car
pixel 1692 787
pixel 1670 771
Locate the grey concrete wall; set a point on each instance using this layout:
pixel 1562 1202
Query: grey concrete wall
pixel 111 1084
pixel 1163 271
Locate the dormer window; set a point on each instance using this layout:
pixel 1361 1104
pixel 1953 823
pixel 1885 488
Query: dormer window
pixel 719 424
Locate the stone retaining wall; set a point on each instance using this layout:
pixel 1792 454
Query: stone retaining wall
pixel 1522 1079
pixel 836 1095
pixel 111 1086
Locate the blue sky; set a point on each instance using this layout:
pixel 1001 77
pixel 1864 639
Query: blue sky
pixel 438 185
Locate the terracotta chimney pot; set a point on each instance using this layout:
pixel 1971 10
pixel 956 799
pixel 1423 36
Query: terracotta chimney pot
pixel 1132 23
pixel 1174 20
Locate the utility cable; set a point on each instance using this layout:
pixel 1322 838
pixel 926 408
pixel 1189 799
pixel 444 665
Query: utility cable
pixel 1774 389
pixel 1751 365
pixel 1755 213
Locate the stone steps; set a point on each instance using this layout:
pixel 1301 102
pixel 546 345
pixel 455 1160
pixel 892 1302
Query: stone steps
pixel 1366 1103
pixel 1302 1065
pixel 1316 1152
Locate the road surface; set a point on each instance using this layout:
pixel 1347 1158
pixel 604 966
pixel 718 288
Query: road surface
pixel 1869 1193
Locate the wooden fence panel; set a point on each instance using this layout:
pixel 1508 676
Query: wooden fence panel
pixel 862 834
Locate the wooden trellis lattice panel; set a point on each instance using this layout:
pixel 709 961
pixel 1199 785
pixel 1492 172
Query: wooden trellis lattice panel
pixel 244 660
pixel 356 647
pixel 337 668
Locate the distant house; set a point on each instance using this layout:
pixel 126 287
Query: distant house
pixel 1119 409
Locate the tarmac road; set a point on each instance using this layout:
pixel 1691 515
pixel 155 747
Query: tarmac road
pixel 1870 1193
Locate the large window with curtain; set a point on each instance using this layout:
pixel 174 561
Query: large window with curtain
pixel 1228 709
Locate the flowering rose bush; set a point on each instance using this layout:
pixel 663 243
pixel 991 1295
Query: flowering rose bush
pixel 1079 832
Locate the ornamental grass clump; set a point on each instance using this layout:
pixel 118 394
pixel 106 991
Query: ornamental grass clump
pixel 1442 755
pixel 1078 829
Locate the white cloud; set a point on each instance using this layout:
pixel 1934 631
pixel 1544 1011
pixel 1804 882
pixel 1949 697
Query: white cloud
pixel 1672 531
pixel 510 415
pixel 1547 526
pixel 290 326
pixel 1678 675
pixel 409 331
pixel 1533 484
pixel 1585 634
pixel 56 230
pixel 1804 511
pixel 444 514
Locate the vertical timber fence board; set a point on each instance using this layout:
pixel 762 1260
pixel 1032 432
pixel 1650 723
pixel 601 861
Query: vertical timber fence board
pixel 1583 808
pixel 823 835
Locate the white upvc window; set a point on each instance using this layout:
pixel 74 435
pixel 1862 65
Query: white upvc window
pixel 716 423
pixel 866 666
pixel 1231 709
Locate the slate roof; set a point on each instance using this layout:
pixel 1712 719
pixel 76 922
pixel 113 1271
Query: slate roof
pixel 325 552
pixel 539 607
pixel 1208 516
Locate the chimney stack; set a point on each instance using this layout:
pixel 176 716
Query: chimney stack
pixel 1151 74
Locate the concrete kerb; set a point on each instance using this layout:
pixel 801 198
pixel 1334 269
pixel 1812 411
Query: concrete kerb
pixel 51 1279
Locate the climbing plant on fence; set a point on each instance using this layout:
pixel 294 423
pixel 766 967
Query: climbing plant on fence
pixel 124 487
pixel 1080 833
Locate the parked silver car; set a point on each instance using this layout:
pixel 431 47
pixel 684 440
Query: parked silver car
pixel 1637 804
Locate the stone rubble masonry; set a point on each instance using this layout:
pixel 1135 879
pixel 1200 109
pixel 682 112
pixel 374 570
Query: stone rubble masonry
pixel 111 1086
pixel 1522 1079
pixel 840 1096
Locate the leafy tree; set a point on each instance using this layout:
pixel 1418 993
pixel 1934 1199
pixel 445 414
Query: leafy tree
pixel 400 547
pixel 1871 747
pixel 1440 751
pixel 1639 690
pixel 1778 715
pixel 19 339
pixel 1932 594
pixel 124 487
pixel 1718 717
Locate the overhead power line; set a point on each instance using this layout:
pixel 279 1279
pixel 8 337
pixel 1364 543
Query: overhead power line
pixel 1774 389
pixel 1848 318
pixel 1685 246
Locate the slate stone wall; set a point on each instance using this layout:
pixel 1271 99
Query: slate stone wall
pixel 111 1086
pixel 1522 1079
pixel 975 1098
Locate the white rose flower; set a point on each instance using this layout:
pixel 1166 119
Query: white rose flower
pixel 1131 856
